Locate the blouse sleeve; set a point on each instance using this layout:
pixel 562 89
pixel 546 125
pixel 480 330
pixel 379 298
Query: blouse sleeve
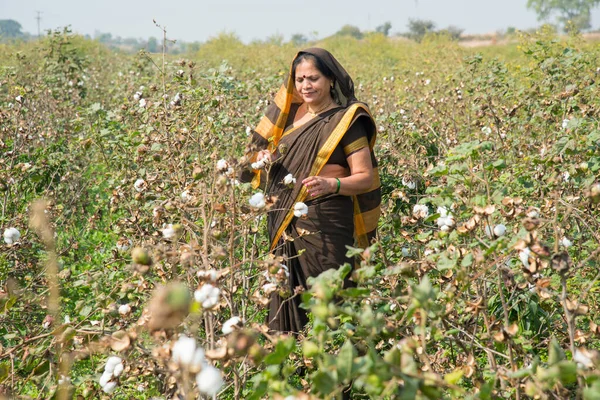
pixel 355 138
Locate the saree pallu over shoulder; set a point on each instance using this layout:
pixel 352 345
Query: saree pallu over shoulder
pixel 366 205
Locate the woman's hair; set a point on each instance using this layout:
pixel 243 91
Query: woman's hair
pixel 316 61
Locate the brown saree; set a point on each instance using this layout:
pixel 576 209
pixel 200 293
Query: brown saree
pixel 333 221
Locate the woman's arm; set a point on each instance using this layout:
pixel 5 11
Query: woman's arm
pixel 359 181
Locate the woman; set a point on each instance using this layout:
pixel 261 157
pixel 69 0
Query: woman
pixel 319 133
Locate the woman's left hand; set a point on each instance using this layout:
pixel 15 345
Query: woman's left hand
pixel 317 185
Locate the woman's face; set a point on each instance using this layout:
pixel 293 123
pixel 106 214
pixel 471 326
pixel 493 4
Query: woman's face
pixel 311 84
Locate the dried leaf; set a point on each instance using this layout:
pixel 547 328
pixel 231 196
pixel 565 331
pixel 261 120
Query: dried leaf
pixel 120 341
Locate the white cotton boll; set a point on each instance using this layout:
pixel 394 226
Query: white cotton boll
pixel 169 232
pixel 183 351
pixel 231 324
pixel 142 103
pixel 289 179
pixel 427 82
pixel 111 363
pixel 566 242
pixel 211 301
pixel 118 369
pixel 524 256
pixel 248 131
pixel 137 96
pixel 124 309
pixel 201 294
pixel 11 235
pixel 499 230
pixel 259 164
pixel 140 185
pixel 445 228
pixel 566 176
pixel 186 196
pixel 420 211
pixel 443 211
pixel 269 288
pixel 486 130
pixel 109 387
pixel 105 378
pixel 210 275
pixel 67 319
pixel 222 165
pixel 583 358
pixel 300 209
pixel 409 183
pixel 209 380
pixel 208 295
pixel 565 123
pixel 257 201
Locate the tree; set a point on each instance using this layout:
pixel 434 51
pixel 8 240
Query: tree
pixel 385 28
pixel 298 39
pixel 575 13
pixel 9 28
pixel 152 45
pixel 350 30
pixel 418 28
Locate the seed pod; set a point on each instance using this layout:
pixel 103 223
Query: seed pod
pixel 141 256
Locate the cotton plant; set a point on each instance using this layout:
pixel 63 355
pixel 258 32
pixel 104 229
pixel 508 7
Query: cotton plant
pixel 420 211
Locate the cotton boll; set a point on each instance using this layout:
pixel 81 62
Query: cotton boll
pixel 111 363
pixel 300 209
pixel 230 324
pixel 257 201
pixel 183 350
pixel 289 179
pixel 124 309
pixel 420 211
pixel 209 380
pixel 11 235
pixel 566 242
pixel 140 185
pixel 524 256
pixel 222 165
pixel 105 378
pixel 109 387
pixel 499 230
pixel 118 369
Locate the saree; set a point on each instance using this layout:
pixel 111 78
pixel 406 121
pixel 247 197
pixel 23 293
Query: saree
pixel 316 242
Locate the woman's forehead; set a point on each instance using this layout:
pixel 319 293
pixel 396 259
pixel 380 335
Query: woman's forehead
pixel 306 67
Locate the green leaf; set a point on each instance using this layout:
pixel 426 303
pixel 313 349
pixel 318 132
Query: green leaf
pixel 454 377
pixel 323 382
pixel 344 361
pixel 283 348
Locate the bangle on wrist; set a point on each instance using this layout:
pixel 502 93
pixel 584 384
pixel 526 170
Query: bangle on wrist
pixel 338 185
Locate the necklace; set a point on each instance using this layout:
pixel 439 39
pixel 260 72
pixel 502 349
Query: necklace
pixel 320 110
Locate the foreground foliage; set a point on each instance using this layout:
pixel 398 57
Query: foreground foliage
pixel 482 283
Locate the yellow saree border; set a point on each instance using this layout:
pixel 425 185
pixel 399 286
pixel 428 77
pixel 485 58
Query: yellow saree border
pixel 320 161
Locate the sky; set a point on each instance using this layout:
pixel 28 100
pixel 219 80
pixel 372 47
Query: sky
pixel 199 20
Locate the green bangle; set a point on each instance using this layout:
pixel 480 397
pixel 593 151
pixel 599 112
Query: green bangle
pixel 338 185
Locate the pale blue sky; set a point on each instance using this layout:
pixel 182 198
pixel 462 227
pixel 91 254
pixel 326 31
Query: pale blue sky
pixel 198 20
